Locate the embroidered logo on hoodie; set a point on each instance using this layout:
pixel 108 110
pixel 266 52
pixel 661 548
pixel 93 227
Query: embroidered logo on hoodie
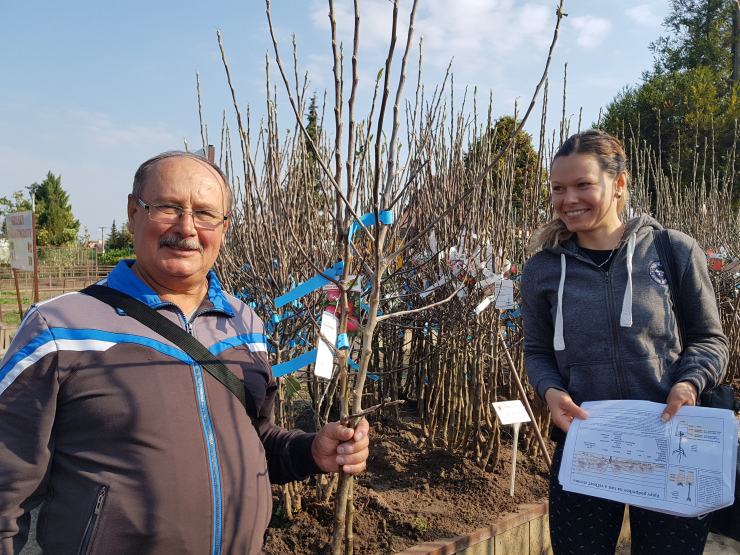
pixel 657 273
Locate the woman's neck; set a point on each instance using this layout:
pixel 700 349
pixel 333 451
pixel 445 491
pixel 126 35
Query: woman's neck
pixel 604 238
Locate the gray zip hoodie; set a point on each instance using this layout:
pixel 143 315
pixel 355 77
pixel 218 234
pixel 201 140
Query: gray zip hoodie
pixel 613 334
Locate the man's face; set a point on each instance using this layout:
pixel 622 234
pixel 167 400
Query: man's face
pixel 170 253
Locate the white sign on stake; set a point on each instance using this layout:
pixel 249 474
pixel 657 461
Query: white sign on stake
pixel 20 235
pixel 325 356
pixel 514 413
pixel 511 412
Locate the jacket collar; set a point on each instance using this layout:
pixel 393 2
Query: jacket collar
pixel 640 225
pixel 126 281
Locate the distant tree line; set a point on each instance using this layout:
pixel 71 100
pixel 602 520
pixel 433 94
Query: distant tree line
pixel 55 223
pixel 692 91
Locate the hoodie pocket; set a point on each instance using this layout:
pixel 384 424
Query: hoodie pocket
pixel 92 523
pixel 647 379
pixel 592 381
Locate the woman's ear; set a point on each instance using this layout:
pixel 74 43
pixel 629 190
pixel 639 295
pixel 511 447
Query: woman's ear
pixel 620 185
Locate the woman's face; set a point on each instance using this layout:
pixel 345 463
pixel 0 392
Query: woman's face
pixel 584 195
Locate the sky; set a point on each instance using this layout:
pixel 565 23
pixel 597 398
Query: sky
pixel 91 89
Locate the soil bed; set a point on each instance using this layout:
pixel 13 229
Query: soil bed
pixel 409 495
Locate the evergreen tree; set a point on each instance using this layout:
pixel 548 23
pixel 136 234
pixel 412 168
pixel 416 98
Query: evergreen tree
pixel 119 239
pixel 112 236
pixel 495 139
pixel 313 129
pixel 55 223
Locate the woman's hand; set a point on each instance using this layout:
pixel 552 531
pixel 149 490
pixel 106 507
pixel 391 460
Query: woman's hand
pixel 683 393
pixel 563 409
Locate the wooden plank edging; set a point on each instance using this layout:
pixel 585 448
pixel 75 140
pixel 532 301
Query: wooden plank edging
pixel 449 546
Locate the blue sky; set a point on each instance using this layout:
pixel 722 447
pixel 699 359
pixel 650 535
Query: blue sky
pixel 90 89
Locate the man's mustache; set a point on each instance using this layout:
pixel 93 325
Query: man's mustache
pixel 180 243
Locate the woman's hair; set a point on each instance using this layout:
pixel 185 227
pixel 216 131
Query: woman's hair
pixel 611 158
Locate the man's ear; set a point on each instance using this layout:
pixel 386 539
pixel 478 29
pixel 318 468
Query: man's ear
pixel 226 229
pixel 131 209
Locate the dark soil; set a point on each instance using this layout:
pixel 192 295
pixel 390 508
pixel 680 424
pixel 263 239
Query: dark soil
pixel 410 495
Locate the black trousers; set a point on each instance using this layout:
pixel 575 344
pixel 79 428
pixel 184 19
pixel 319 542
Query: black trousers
pixel 581 524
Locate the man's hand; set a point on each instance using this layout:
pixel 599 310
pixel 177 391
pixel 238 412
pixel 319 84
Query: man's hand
pixel 336 445
pixel 563 409
pixel 683 393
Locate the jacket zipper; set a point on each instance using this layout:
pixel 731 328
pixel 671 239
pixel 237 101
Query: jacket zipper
pixel 93 520
pixel 205 418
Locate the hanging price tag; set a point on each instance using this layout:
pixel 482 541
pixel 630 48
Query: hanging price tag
pixel 505 294
pixel 325 356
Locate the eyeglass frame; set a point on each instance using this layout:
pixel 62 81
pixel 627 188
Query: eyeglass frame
pixel 182 212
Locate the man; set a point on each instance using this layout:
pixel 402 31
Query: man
pixel 132 446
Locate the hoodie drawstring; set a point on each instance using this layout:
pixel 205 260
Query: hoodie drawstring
pixel 559 342
pixel 625 319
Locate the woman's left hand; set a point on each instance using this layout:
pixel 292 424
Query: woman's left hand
pixel 683 393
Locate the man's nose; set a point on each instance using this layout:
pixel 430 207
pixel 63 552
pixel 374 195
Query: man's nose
pixel 186 223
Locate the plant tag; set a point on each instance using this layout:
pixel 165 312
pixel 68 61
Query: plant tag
pixel 511 412
pixel 505 294
pixel 325 356
pixel 428 290
pixel 482 306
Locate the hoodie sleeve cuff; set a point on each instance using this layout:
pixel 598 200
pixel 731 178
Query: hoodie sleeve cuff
pixel 546 384
pixel 301 458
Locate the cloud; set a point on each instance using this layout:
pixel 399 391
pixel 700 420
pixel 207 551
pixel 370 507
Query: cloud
pixel 591 30
pixel 101 130
pixel 643 15
pixel 482 35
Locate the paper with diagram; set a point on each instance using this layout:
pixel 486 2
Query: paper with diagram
pixel 626 453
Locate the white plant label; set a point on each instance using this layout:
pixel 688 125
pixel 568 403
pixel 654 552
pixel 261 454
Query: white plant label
pixel 325 356
pixel 511 412
pixel 505 294
pixel 482 306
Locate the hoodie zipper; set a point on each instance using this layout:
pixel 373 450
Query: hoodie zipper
pixel 613 314
pixel 84 548
pixel 615 333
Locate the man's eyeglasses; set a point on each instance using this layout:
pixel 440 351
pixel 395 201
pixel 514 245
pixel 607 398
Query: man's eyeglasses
pixel 169 214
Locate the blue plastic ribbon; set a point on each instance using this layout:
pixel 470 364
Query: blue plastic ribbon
pixel 356 366
pixel 296 364
pixel 369 220
pixel 311 285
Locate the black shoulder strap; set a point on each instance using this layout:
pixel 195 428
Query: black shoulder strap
pixel 667 260
pixel 177 335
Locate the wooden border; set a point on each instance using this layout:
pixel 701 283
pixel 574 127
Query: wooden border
pixel 449 546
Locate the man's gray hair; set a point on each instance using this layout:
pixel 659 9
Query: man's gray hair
pixel 143 172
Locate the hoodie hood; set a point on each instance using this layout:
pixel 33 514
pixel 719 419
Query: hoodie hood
pixel 640 225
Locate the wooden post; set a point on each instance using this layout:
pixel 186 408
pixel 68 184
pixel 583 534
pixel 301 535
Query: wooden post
pixel 735 39
pixel 18 292
pixel 1 304
pixel 35 262
pixel 525 401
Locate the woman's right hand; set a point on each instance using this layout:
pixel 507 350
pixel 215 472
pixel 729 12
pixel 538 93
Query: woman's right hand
pixel 563 409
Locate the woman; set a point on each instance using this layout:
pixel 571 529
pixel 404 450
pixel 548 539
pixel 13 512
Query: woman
pixel 598 324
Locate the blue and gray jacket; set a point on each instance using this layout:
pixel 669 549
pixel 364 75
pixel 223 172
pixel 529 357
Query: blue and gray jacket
pixel 134 448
